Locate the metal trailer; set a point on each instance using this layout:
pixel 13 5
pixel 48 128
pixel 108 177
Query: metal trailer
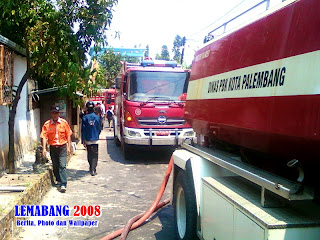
pixel 218 197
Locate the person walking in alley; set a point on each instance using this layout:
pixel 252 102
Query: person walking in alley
pixel 90 131
pixel 99 111
pixel 109 115
pixel 57 133
pixel 103 108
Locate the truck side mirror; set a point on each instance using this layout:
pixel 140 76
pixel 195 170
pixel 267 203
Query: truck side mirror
pixel 118 83
pixel 125 84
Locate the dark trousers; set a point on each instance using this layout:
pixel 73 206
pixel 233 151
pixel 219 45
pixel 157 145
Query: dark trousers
pixel 110 122
pixel 102 122
pixel 58 156
pixel 92 155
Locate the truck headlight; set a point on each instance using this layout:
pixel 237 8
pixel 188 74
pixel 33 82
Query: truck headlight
pixel 128 117
pixel 133 133
pixel 189 134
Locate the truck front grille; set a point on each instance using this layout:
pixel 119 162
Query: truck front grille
pixel 154 122
pixel 172 132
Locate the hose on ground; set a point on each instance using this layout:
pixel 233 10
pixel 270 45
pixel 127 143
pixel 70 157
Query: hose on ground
pixel 126 229
pixel 147 214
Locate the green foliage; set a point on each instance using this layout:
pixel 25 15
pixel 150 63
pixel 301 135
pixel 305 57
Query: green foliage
pixel 130 59
pixel 177 44
pixel 158 56
pixel 164 54
pixel 1 210
pixel 146 53
pixel 109 68
pixel 185 66
pixel 178 48
pixel 56 36
pixel 93 17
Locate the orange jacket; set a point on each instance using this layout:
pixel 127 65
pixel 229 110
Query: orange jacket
pixel 56 133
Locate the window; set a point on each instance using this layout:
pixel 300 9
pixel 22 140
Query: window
pixel 6 75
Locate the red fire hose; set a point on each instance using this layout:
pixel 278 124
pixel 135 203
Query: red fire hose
pixel 127 228
pixel 141 218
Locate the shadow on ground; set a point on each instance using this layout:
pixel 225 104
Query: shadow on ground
pixel 166 218
pixel 141 155
pixel 75 175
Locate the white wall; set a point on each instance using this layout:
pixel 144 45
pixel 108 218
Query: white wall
pixel 4 139
pixel 27 129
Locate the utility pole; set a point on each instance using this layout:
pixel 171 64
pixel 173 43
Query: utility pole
pixel 183 44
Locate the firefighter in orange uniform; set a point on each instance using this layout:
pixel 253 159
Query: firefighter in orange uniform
pixel 57 133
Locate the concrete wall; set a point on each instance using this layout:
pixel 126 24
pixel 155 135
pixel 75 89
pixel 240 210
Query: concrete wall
pixel 27 121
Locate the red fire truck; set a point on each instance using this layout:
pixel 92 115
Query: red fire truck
pixel 106 95
pixel 98 97
pixel 109 96
pixel 254 172
pixel 149 105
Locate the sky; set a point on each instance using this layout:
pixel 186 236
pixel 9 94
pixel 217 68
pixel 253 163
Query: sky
pixel 157 22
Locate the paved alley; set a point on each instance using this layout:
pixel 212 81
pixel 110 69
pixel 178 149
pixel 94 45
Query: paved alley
pixel 122 189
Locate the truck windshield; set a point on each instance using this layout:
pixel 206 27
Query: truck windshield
pixel 159 86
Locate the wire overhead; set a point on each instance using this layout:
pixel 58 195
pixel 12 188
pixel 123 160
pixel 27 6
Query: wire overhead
pixel 218 19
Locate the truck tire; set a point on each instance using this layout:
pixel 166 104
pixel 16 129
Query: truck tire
pixel 126 149
pixel 185 208
pixel 115 138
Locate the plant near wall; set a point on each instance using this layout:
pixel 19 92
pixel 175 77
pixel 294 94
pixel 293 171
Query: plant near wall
pixel 56 36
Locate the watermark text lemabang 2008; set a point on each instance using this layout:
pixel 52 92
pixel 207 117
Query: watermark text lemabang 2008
pixel 47 212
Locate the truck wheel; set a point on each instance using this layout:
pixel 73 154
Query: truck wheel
pixel 126 150
pixel 185 210
pixel 115 138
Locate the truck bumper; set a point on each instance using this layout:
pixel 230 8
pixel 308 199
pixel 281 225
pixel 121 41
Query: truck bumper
pixel 158 137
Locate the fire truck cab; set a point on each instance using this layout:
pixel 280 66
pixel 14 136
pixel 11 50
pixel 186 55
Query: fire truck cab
pixel 149 105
